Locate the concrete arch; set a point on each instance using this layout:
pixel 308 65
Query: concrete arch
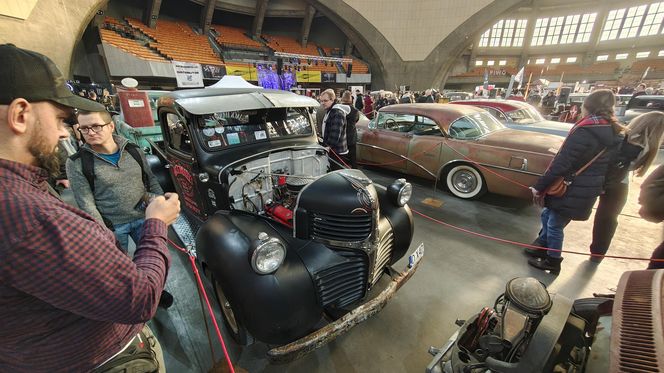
pixel 53 28
pixel 389 69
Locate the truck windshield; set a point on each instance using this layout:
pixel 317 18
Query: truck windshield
pixel 225 129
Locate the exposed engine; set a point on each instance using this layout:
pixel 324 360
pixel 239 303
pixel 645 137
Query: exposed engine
pixel 506 338
pixel 270 185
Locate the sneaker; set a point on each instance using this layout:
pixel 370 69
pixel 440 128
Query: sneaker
pixel 166 300
pixel 547 264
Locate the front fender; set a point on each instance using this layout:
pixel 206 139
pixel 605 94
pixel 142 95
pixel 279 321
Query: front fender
pixel 275 308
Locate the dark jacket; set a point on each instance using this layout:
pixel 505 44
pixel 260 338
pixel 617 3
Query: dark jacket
pixel 359 102
pixel 586 139
pixel 351 131
pixel 621 158
pixel 334 128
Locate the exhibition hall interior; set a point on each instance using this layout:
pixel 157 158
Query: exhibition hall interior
pixel 332 186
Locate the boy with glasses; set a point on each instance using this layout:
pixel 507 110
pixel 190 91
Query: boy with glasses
pixel 111 181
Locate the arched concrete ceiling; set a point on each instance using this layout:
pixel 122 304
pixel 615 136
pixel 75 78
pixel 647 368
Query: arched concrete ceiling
pixel 52 27
pixel 389 68
pixel 415 28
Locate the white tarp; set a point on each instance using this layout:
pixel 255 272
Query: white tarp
pixel 232 81
pixel 188 75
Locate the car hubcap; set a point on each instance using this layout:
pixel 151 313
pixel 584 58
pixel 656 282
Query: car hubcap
pixel 464 181
pixel 226 309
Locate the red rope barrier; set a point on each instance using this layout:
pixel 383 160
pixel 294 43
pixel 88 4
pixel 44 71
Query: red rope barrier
pixel 528 245
pixel 207 302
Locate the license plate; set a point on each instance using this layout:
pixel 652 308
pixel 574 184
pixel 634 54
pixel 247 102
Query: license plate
pixel 416 256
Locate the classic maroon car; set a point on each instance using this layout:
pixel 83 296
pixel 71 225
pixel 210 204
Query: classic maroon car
pixel 464 147
pixel 520 116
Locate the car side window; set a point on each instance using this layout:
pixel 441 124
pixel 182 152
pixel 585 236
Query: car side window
pixel 464 128
pixel 396 122
pixel 496 113
pixel 177 133
pixel 426 126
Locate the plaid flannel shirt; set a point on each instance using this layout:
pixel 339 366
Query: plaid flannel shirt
pixel 69 298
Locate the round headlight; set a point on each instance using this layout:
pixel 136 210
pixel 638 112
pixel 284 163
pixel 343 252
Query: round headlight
pixel 268 255
pixel 405 193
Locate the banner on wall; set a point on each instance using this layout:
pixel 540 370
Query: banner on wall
pixel 308 77
pixel 187 74
pixel 329 77
pixel 213 72
pixel 246 72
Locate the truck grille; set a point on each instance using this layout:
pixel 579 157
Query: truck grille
pixel 344 283
pixel 383 254
pixel 345 228
pixel 637 323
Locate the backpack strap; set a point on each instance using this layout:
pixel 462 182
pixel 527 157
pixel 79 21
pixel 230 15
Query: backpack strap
pixel 135 152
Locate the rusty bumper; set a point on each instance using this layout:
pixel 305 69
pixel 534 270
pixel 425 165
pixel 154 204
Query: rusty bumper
pixel 319 338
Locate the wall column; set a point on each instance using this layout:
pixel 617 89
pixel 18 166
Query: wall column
pixel 309 13
pixel 261 9
pixel 206 16
pixel 152 13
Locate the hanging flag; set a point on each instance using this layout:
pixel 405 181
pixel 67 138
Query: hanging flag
pixel 645 73
pixel 519 76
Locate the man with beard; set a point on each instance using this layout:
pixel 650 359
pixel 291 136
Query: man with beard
pixel 70 300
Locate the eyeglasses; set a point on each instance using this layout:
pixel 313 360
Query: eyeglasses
pixel 95 128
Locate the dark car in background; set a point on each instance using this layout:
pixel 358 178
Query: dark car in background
pixel 642 104
pixel 520 115
pixel 286 243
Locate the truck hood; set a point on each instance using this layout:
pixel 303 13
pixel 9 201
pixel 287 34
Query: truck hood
pixel 523 140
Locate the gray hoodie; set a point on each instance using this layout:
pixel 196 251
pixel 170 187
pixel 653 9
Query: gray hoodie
pixel 117 188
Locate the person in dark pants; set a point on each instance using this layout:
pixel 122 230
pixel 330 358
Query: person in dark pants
pixel 334 128
pixel 593 135
pixel 351 131
pixel 651 200
pixel 638 148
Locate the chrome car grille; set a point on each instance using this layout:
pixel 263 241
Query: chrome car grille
pixel 344 283
pixel 344 228
pixel 383 255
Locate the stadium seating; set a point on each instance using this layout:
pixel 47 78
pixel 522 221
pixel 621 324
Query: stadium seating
pixel 177 41
pixel 129 45
pixel 235 38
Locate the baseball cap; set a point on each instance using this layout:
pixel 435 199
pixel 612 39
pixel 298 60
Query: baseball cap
pixel 34 77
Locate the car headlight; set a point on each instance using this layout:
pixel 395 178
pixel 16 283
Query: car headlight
pixel 268 255
pixel 400 192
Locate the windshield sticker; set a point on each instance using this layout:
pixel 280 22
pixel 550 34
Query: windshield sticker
pixel 260 135
pixel 214 143
pixel 219 130
pixel 233 138
pixel 208 132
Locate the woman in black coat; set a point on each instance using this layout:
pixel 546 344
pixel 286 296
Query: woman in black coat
pixel 595 133
pixel 637 150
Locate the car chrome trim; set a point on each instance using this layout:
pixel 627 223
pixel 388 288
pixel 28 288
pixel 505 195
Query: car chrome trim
pixel 398 155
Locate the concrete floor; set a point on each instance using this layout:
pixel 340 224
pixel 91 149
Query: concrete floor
pixel 460 274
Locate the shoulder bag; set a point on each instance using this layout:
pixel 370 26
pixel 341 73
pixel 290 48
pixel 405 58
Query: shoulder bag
pixel 559 186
